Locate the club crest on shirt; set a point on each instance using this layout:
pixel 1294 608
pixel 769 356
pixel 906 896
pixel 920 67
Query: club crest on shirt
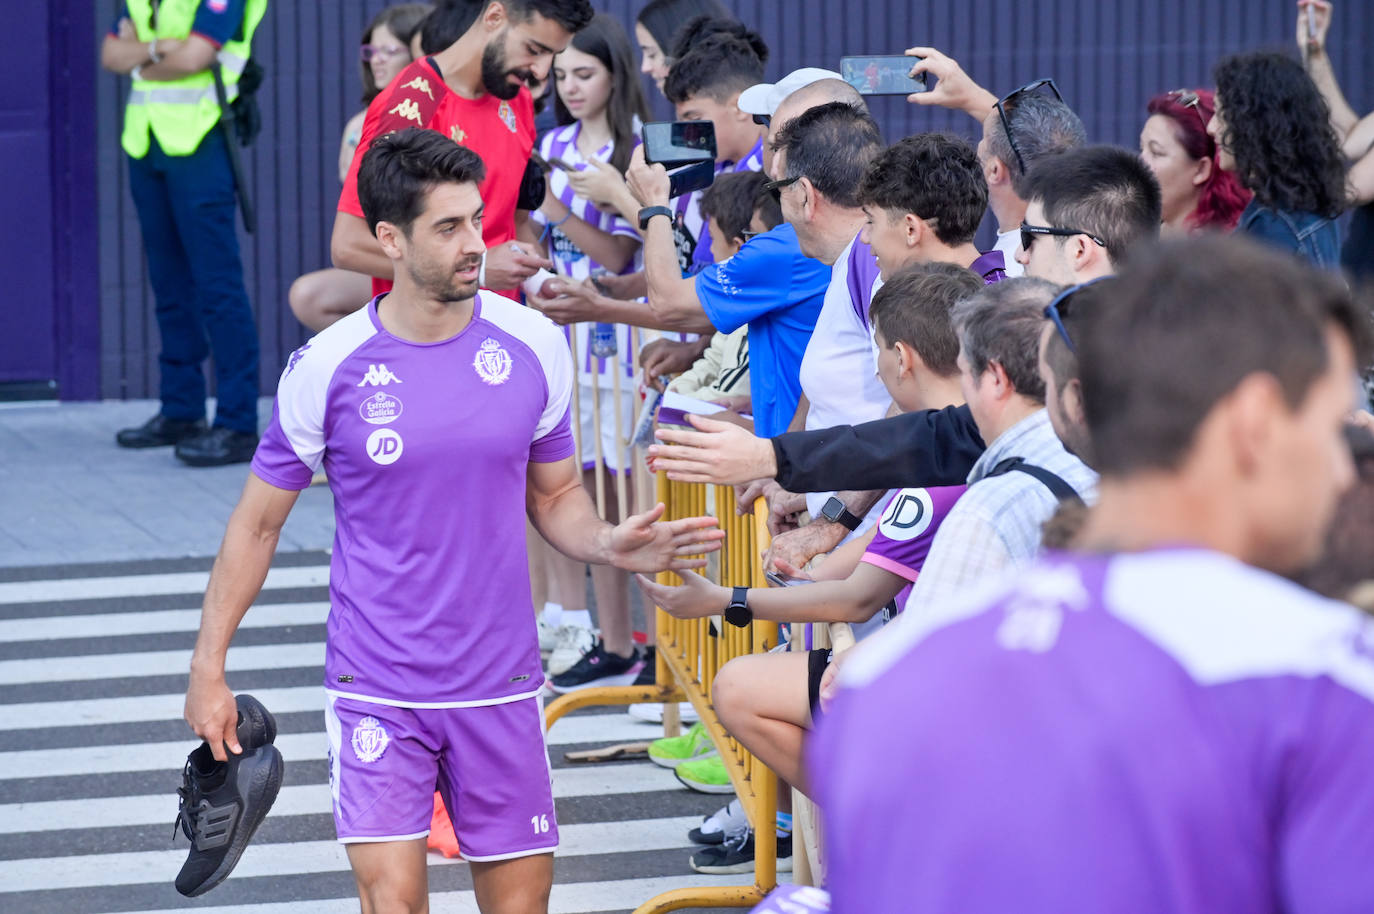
pixel 507 115
pixel 380 408
pixel 493 362
pixel 370 739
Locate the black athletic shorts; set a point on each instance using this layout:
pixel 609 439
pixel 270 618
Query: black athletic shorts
pixel 815 669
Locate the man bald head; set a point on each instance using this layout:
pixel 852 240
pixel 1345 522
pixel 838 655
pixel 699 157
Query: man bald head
pixel 821 92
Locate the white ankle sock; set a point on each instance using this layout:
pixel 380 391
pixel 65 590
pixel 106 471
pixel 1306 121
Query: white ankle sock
pixel 552 614
pixel 582 617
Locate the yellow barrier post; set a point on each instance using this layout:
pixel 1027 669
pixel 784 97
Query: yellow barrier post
pixel 690 653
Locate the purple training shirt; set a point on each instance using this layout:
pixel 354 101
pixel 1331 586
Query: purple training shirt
pixel 426 447
pixel 1169 731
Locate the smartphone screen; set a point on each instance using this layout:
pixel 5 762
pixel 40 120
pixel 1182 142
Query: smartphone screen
pixel 882 74
pixel 674 143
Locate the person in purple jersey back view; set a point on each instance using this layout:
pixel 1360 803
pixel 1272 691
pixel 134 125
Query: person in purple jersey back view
pixel 441 416
pixel 1160 723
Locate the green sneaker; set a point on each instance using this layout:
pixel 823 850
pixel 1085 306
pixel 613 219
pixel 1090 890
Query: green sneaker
pixel 671 751
pixel 705 775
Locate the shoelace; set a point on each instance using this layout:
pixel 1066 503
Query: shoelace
pixel 735 840
pixel 191 806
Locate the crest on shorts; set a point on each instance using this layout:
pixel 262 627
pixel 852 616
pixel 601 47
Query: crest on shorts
pixel 370 739
pixel 493 362
pixel 507 115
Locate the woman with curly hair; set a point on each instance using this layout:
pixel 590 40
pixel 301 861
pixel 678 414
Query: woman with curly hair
pixel 1272 129
pixel 1197 194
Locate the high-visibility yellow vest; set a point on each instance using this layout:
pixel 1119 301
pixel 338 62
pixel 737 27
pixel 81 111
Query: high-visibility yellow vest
pixel 181 112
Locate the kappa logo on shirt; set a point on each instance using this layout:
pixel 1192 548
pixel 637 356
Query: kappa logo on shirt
pixel 421 84
pixel 507 116
pixel 378 376
pixel 456 134
pixel 408 110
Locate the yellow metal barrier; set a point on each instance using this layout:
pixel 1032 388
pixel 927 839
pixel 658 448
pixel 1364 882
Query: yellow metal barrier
pixel 690 653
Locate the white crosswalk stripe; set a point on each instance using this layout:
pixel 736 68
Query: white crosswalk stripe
pixel 71 843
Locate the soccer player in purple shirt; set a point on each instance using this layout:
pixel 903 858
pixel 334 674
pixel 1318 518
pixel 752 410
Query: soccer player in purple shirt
pixel 441 416
pixel 1160 723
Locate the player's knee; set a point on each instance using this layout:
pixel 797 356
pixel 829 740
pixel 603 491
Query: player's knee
pixel 393 896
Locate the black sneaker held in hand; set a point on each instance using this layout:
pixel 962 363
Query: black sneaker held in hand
pixel 223 803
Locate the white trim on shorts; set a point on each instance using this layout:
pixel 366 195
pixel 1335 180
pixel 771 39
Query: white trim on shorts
pixel 434 705
pixel 368 839
pixel 511 856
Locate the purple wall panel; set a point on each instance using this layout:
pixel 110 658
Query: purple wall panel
pixel 1108 58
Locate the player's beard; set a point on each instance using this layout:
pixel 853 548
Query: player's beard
pixel 495 75
pixel 440 281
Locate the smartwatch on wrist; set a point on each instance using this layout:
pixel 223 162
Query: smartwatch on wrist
pixel 836 512
pixel 737 612
pixel 650 212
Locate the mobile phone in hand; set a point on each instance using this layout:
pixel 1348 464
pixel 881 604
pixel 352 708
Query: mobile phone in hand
pixel 888 74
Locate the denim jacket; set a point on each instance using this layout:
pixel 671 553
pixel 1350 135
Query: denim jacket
pixel 1314 238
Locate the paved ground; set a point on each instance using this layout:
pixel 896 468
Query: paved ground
pixel 68 494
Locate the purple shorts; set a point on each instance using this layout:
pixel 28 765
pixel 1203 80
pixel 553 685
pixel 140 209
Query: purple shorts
pixel 489 762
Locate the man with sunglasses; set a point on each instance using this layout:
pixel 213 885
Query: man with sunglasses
pixel 1019 129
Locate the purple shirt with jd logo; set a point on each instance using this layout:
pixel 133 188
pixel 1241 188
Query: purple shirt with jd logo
pixel 1168 731
pixel 426 447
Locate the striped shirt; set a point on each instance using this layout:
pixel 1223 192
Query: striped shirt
pixel 569 260
pixel 688 206
pixel 997 524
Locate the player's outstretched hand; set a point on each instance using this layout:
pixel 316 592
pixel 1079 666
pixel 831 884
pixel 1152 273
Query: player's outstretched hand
pixel 717 452
pixel 213 714
pixel 642 542
pixel 695 598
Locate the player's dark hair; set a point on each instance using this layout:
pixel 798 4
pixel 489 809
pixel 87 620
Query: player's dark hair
pixel 717 67
pixel 1278 129
pixel 399 169
pixel 447 23
pixel 914 307
pixel 1043 126
pixel 1106 191
pixel 401 20
pixel 665 18
pixel 573 15
pixel 1187 322
pixel 730 201
pixel 831 145
pixel 604 38
pixel 933 176
pixel 702 27
pixel 1001 323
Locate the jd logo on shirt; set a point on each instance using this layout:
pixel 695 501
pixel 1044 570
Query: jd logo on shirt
pixel 384 446
pixel 908 516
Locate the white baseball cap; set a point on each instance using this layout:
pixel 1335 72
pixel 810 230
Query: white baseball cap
pixel 765 97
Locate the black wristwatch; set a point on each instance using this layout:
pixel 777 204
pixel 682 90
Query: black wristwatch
pixel 650 212
pixel 737 613
pixel 836 512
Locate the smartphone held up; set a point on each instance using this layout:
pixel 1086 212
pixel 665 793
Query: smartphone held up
pixel 686 148
pixel 882 74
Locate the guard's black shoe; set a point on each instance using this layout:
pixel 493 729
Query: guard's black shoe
pixel 218 447
pixel 257 727
pixel 222 805
pixel 160 431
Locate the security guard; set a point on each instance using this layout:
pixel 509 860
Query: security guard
pixel 182 184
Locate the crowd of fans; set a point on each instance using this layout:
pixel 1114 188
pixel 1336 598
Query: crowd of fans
pixel 1141 399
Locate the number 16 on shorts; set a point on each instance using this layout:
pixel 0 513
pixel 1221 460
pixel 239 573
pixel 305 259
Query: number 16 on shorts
pixel 540 824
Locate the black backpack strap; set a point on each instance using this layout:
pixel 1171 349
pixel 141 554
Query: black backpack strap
pixel 1057 486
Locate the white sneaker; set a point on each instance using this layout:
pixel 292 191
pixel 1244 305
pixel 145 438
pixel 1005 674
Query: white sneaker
pixel 570 643
pixel 653 713
pixel 548 635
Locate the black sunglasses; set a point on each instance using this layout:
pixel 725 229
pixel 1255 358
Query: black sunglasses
pixel 763 120
pixel 1007 104
pixel 775 187
pixel 1058 309
pixel 1028 233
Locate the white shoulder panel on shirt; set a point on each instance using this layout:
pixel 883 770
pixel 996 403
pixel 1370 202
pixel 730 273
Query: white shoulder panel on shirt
pixel 549 345
pixel 1224 621
pixel 304 387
